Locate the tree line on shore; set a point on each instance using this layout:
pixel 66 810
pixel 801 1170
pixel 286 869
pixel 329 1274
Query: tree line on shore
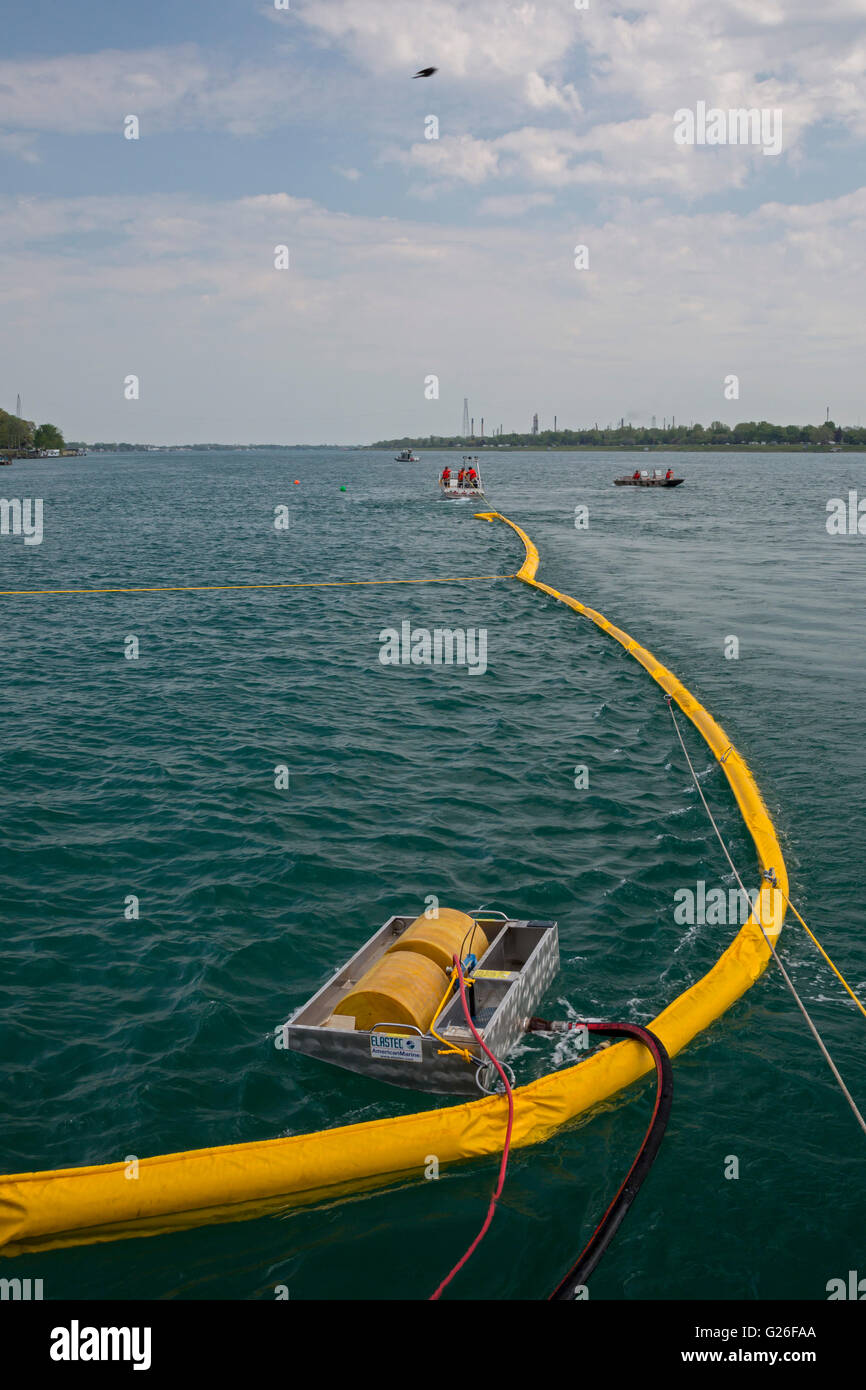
pixel 24 436
pixel 716 435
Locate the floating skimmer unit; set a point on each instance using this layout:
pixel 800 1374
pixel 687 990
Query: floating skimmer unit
pixel 378 1013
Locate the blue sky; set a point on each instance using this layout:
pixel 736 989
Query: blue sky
pixel 412 257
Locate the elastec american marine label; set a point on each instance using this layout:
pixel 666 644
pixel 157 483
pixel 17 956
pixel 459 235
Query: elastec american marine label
pixel 398 1048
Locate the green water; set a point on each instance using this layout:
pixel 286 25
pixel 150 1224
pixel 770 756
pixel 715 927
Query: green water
pixel 155 778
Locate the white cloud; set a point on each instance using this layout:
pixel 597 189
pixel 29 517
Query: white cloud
pixel 500 64
pixel 548 96
pixel 641 66
pixel 482 40
pixel 755 52
pixel 453 159
pixel 638 154
pixel 182 291
pixel 178 88
pixel 536 99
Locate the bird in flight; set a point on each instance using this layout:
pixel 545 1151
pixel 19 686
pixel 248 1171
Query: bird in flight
pixel 426 72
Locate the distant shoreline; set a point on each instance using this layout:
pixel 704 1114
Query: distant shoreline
pixel 486 450
pixel 723 449
pixel 472 448
pixel 716 437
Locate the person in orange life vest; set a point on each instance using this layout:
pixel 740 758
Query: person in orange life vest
pixel 669 474
pixel 460 477
pixel 472 478
pixel 446 475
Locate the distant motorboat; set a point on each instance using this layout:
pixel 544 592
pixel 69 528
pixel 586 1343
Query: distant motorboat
pixel 656 478
pixel 5 463
pixel 406 456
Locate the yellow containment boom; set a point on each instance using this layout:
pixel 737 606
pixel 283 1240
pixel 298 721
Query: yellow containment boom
pixel 76 1206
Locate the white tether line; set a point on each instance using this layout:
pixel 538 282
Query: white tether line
pixel 819 1040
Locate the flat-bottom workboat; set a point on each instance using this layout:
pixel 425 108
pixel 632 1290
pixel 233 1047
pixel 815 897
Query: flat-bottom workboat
pixel 646 479
pixel 470 489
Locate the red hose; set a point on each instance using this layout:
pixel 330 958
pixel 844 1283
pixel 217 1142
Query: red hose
pixel 497 1193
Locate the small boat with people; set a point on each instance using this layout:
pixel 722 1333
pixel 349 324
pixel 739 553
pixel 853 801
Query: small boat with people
pixel 5 463
pixel 465 484
pixel 642 477
pixel 406 456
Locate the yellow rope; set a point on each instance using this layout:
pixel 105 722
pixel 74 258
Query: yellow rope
pixel 814 938
pixel 449 1047
pixel 210 588
pixel 770 875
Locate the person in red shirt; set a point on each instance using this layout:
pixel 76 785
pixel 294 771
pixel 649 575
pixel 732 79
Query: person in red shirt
pixel 669 474
pixel 635 475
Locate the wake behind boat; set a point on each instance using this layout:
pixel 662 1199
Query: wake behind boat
pixel 642 477
pixel 466 485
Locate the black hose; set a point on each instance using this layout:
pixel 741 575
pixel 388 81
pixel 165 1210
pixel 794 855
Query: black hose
pixel 611 1221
